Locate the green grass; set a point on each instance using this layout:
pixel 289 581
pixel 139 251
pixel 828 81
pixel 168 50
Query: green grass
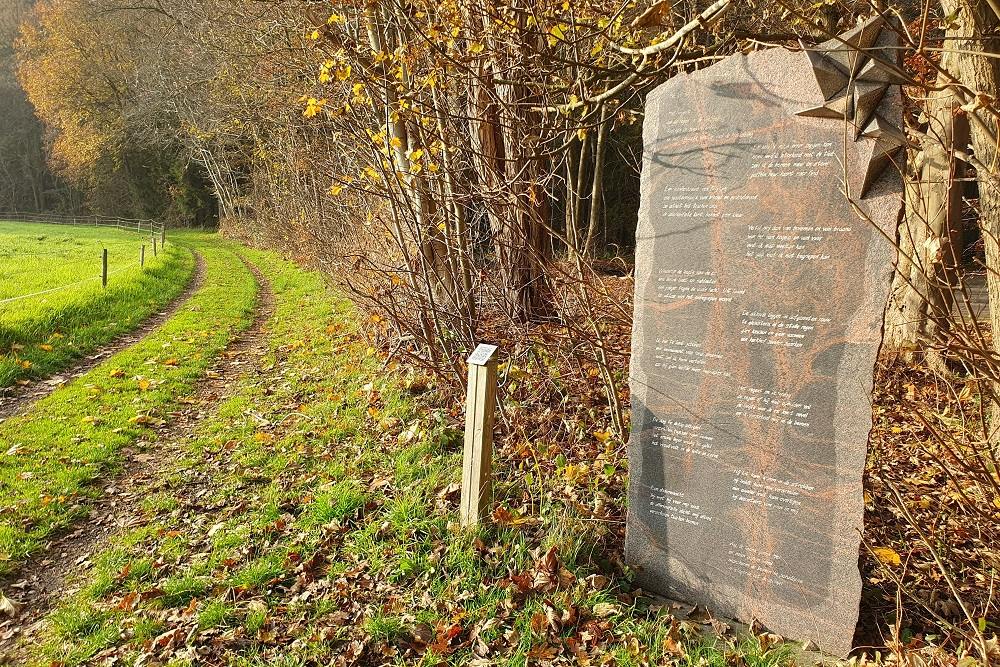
pixel 43 334
pixel 67 441
pixel 320 527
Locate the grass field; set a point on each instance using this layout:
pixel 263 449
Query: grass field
pixel 72 437
pixel 42 334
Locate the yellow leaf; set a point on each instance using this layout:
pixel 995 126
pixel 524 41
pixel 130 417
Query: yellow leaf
pixel 396 142
pixel 45 348
pixel 313 107
pixel 172 361
pixel 25 364
pixel 117 373
pixel 603 436
pixel 260 436
pixel 557 32
pixel 887 556
pixel 335 190
pixel 144 384
pixel 314 35
pixel 476 48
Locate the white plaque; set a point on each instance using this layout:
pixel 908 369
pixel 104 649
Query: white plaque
pixel 482 355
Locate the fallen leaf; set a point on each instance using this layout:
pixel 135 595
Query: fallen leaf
pixel 605 609
pixel 887 556
pixel 8 607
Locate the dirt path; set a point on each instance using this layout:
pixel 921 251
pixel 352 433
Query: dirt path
pixel 51 575
pixel 16 400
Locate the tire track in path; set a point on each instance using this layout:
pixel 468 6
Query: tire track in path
pixel 18 400
pixel 38 586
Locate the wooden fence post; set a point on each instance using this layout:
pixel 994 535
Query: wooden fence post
pixel 477 463
pixel 163 236
pixel 104 268
pixel 142 255
pixel 154 246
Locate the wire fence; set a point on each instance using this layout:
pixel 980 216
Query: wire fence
pixel 21 297
pixel 146 226
pixel 124 224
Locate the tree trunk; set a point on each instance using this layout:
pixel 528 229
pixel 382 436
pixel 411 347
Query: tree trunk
pixel 509 171
pixel 920 307
pixel 979 71
pixel 597 191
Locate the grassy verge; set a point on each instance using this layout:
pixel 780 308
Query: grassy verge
pixel 51 456
pixel 314 522
pixel 44 334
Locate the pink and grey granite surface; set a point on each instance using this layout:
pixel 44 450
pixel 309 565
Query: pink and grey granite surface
pixel 761 279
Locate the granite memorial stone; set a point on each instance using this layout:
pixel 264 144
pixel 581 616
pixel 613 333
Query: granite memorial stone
pixel 762 270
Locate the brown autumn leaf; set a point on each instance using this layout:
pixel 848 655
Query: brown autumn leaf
pixel 444 636
pixel 543 652
pixel 128 602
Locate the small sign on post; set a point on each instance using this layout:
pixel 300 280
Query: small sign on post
pixel 104 268
pixel 477 463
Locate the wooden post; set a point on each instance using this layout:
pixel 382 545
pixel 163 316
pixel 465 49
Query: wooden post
pixel 142 255
pixel 104 268
pixel 477 464
pixel 163 237
pixel 154 246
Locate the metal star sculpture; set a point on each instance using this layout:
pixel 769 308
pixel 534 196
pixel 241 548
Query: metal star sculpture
pixel 853 73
